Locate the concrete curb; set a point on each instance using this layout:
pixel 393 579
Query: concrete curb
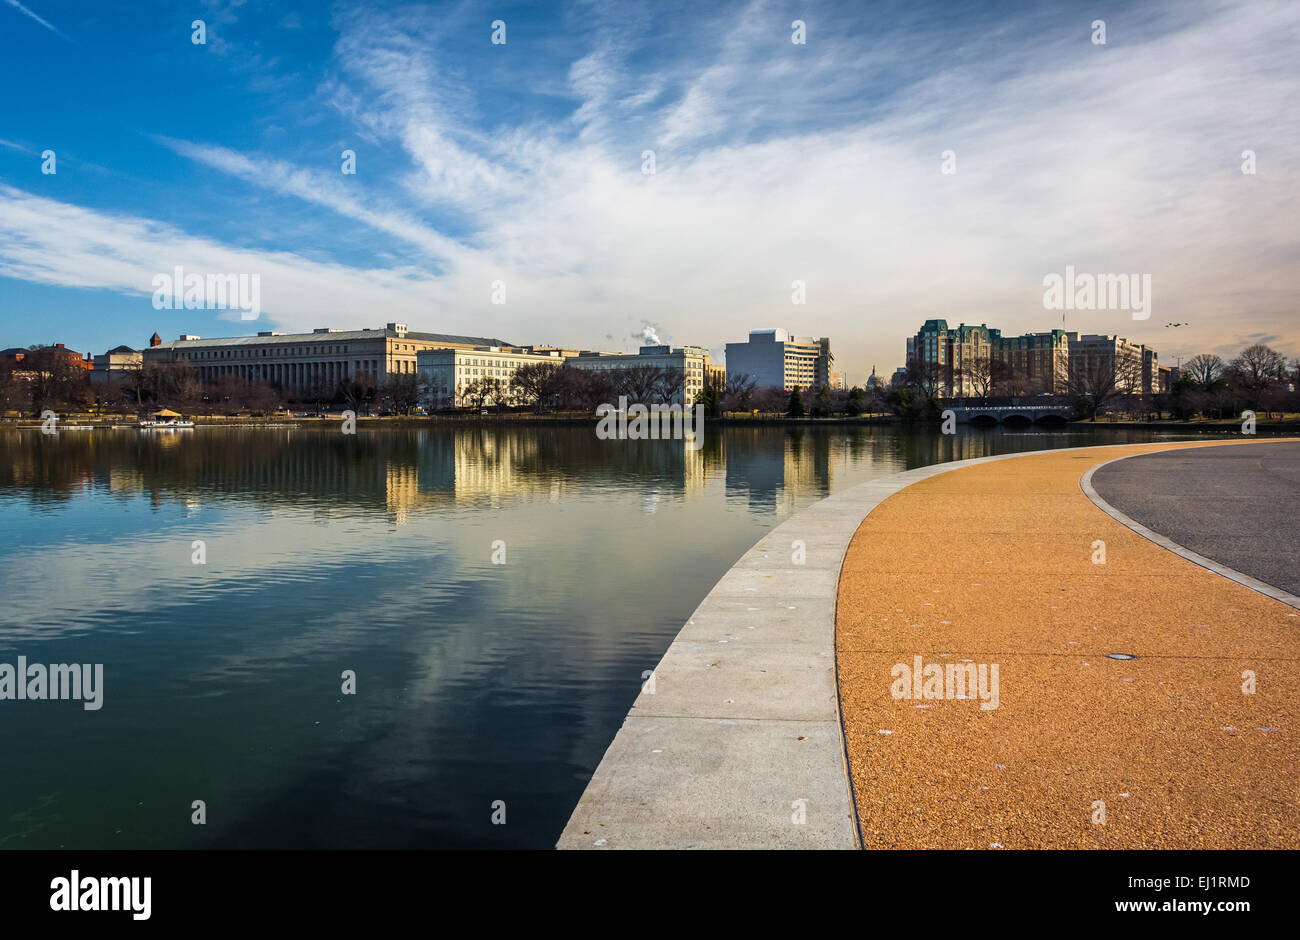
pixel 1085 484
pixel 741 730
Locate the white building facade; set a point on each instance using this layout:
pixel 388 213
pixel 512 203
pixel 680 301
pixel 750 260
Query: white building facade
pixel 445 373
pixel 691 361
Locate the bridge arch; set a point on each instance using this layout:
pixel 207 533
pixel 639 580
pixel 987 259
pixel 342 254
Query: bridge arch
pixel 1047 414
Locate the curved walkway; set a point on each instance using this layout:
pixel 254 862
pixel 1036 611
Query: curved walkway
pixel 1013 566
pixel 738 744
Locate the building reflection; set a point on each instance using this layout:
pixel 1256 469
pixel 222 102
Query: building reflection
pixel 402 473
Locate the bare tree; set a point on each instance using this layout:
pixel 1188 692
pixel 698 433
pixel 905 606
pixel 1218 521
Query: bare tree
pixel 183 384
pixel 670 384
pixel 640 383
pixel 476 392
pixel 979 374
pixel 56 379
pixel 536 382
pixel 1205 369
pixel 1257 371
pixel 402 392
pixel 318 393
pixel 1095 379
pixel 739 391
pixel 13 390
pixel 769 400
pixel 925 377
pixel 357 390
pixel 585 389
pixel 109 396
pixel 262 398
pixel 139 382
pixel 220 392
pixel 1006 379
pixel 497 392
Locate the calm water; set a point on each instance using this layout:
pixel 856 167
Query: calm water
pixel 476 681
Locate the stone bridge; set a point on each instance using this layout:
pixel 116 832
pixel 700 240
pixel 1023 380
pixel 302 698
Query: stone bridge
pixel 1047 413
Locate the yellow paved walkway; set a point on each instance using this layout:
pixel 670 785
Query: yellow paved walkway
pixel 994 563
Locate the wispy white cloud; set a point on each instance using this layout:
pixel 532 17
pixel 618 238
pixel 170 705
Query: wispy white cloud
pixel 46 23
pixel 324 189
pixel 51 242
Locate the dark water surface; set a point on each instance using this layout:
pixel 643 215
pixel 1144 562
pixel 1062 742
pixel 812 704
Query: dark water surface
pixel 476 682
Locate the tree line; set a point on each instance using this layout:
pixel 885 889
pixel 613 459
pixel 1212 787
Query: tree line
pixel 1259 378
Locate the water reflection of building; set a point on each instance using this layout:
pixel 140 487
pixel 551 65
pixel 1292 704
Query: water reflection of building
pixel 399 474
pixel 402 491
pixel 775 479
pixel 123 479
pixel 695 470
pixel 490 465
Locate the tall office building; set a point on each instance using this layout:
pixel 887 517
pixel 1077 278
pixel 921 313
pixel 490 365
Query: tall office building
pixel 958 358
pixel 774 358
pixel 1151 369
pixel 1037 361
pixel 977 360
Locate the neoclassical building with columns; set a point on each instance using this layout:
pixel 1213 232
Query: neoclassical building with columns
pixel 306 361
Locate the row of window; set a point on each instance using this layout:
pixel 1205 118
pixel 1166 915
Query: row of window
pixel 264 352
pixel 279 351
pixel 358 365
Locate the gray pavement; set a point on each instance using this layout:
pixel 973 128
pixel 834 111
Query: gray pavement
pixel 1237 506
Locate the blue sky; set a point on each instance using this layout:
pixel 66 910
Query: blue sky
pixel 522 163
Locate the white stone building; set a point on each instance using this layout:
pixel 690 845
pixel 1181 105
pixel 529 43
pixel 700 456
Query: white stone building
pixel 445 373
